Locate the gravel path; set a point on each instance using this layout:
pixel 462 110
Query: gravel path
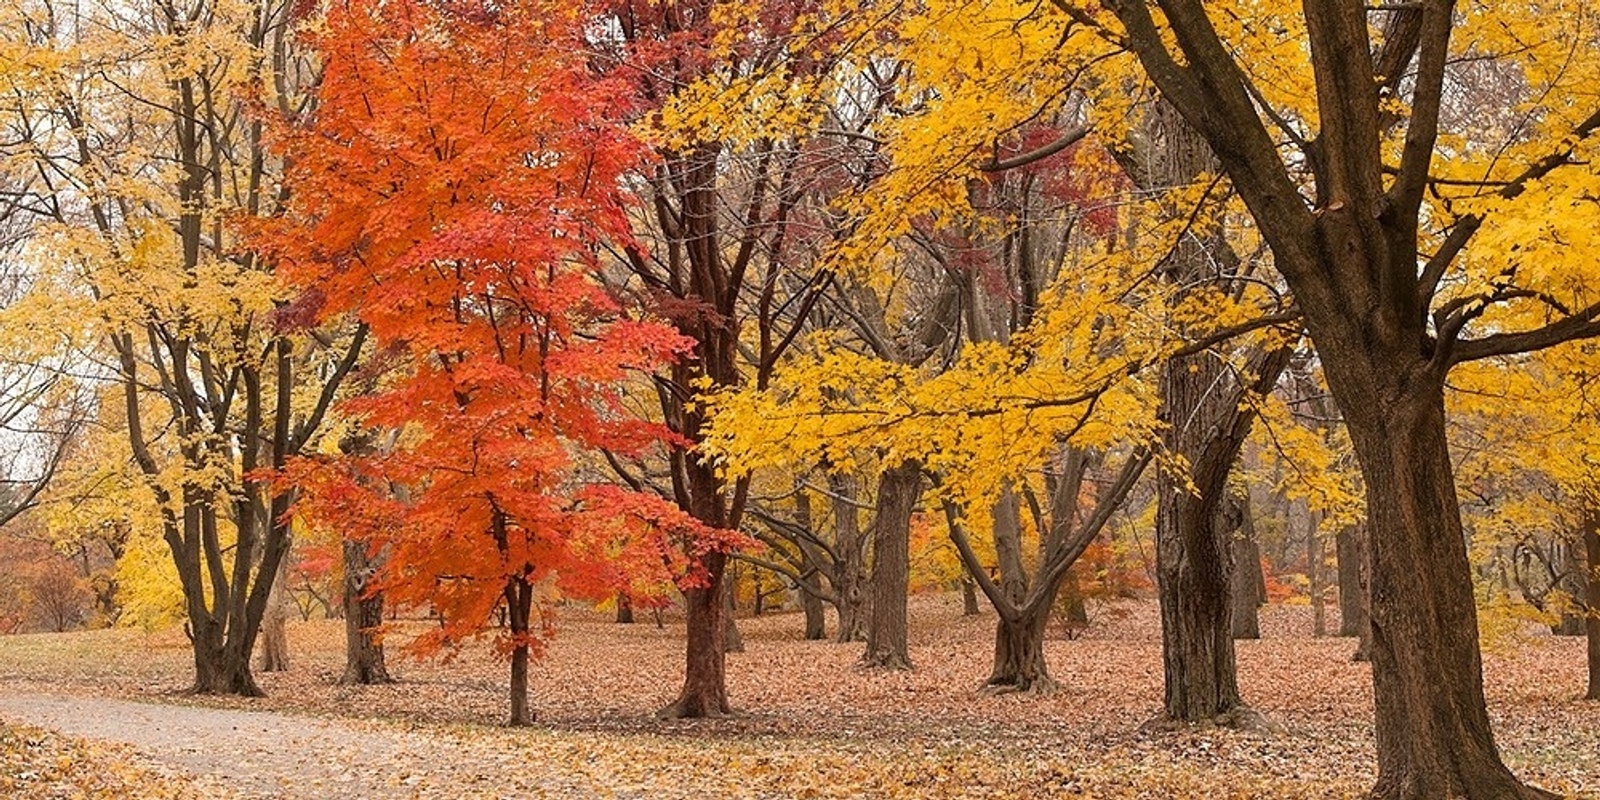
pixel 265 754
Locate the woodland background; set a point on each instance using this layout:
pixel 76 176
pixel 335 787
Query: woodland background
pixel 471 323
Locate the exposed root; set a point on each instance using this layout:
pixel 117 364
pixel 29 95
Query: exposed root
pixel 682 709
pixel 884 660
pixel 1042 686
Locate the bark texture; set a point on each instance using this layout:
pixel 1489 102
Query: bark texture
pixel 1200 403
pixel 850 577
pixel 519 608
pixel 1249 580
pixel 363 614
pixel 1352 589
pixel 899 488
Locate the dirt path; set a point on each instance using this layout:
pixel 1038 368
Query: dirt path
pixel 265 754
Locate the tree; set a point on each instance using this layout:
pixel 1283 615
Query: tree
pixel 730 97
pixel 1369 275
pixel 452 193
pixel 137 123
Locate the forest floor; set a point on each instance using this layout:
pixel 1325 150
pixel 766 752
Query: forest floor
pixel 811 723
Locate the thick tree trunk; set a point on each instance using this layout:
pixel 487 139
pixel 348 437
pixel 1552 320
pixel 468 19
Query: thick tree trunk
pixel 1194 575
pixel 220 667
pixel 363 615
pixel 1019 664
pixel 1352 596
pixel 519 609
pixel 1249 583
pixel 1591 546
pixel 1432 727
pixel 624 609
pixel 899 488
pixel 969 596
pixel 816 620
pixel 850 580
pixel 704 691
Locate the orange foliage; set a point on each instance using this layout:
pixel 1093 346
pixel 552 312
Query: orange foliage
pixel 461 173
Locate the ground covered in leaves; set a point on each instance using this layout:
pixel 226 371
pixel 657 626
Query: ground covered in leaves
pixel 812 724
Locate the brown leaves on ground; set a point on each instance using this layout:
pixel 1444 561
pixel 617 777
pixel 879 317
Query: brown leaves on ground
pixel 816 725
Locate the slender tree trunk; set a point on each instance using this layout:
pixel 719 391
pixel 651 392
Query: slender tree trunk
pixel 816 619
pixel 1249 584
pixel 899 488
pixel 1074 606
pixel 363 615
pixel 274 644
pixel 1353 602
pixel 810 583
pixel 850 581
pixel 1573 585
pixel 1591 624
pixel 519 609
pixel 1314 574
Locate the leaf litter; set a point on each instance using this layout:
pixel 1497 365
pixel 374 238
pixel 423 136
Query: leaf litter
pixel 813 724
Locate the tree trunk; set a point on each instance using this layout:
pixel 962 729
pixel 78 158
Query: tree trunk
pixel 274 645
pixel 1352 597
pixel 1194 575
pixel 816 620
pixel 1432 726
pixel 1314 574
pixel 1249 583
pixel 519 608
pixel 1249 589
pixel 850 580
pixel 1019 664
pixel 704 691
pixel 363 615
pixel 1071 601
pixel 1200 398
pixel 1572 585
pixel 624 609
pixel 969 596
pixel 899 488
pixel 809 585
pixel 1591 624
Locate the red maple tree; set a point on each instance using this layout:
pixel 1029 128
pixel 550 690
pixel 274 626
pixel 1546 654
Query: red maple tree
pixel 462 170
